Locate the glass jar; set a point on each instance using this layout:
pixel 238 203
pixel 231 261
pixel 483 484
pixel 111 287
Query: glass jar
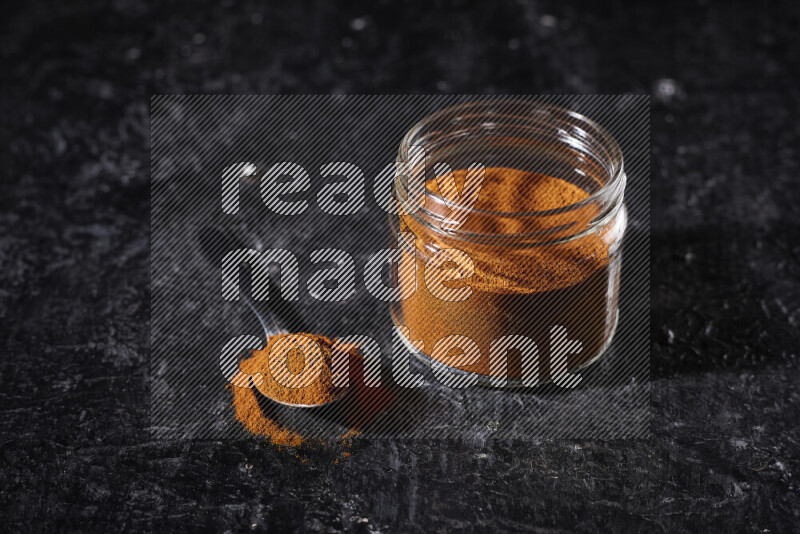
pixel 536 265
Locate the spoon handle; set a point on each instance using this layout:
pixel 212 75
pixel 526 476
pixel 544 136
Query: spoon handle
pixel 275 316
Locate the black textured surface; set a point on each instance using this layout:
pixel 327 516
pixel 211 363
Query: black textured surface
pixel 74 254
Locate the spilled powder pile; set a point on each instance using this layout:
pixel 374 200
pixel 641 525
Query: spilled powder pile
pixel 246 405
pixel 250 415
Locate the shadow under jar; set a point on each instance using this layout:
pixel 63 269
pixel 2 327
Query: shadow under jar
pixel 539 250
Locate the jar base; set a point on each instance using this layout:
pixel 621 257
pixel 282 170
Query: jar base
pixel 486 380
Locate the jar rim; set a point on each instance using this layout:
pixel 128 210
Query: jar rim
pixel 611 189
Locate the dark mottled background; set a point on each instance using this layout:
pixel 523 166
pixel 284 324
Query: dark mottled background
pixel 74 308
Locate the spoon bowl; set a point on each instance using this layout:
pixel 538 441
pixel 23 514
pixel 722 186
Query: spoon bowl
pixel 275 317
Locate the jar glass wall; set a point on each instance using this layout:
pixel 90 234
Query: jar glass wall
pixel 531 196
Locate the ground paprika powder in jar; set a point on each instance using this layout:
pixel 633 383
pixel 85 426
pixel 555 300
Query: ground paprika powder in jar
pixel 531 196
